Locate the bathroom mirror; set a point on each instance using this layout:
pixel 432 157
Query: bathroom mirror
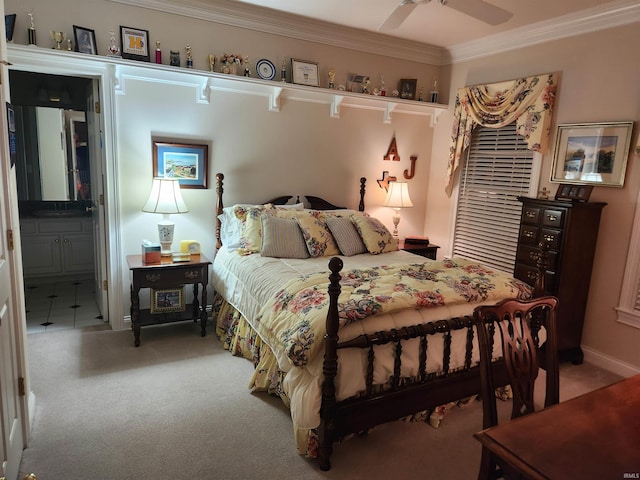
pixel 52 155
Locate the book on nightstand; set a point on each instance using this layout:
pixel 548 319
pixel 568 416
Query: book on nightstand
pixel 416 240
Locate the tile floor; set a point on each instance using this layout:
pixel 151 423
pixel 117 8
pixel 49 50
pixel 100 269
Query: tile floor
pixel 57 304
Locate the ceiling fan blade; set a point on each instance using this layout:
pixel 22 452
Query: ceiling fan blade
pixel 398 16
pixel 480 9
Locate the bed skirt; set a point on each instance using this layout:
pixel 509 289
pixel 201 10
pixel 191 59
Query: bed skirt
pixel 237 336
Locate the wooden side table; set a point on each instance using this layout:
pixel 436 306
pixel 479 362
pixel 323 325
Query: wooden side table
pixel 167 275
pixel 428 251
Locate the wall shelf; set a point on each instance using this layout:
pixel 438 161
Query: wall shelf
pixel 277 93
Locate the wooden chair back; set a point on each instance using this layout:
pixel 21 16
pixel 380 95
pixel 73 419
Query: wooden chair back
pixel 514 325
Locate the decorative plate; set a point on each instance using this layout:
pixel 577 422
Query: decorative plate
pixel 266 69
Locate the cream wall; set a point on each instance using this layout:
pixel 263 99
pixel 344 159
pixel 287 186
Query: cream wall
pixel 599 81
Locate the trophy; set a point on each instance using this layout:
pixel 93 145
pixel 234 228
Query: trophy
pixel 31 30
pixel 58 37
pixel 189 57
pixel 212 62
pixel 113 50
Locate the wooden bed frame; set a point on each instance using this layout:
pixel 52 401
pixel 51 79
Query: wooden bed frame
pixel 426 392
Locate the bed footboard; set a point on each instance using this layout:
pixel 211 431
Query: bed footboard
pixel 401 396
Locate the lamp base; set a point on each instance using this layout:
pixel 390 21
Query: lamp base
pixel 396 221
pixel 165 233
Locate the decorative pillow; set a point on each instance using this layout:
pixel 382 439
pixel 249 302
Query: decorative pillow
pixel 374 234
pixel 295 206
pixel 314 228
pixel 251 237
pixel 346 236
pixel 282 238
pixel 231 226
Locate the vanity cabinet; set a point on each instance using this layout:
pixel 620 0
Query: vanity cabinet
pixel 571 230
pixel 53 247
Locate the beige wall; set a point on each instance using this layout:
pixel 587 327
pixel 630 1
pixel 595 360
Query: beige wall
pixel 599 81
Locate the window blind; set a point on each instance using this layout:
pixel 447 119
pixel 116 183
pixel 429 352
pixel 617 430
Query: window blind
pixel 498 169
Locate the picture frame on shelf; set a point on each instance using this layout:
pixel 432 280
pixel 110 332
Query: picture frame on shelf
pixel 9 25
pixel 134 43
pixel 591 153
pixel 408 88
pixel 189 163
pixel 165 300
pixel 578 193
pixel 85 40
pixel 305 72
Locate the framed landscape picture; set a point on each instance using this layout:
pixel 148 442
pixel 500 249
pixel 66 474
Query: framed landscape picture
pixel 186 162
pixel 592 153
pixel 165 300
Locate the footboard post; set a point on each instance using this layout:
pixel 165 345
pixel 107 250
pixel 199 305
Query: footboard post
pixel 330 367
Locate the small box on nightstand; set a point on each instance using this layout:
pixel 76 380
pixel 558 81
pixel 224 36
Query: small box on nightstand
pixel 150 252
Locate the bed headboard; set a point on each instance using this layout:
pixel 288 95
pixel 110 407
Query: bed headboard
pixel 316 203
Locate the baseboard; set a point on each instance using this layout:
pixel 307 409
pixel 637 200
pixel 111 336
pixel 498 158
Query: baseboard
pixel 607 362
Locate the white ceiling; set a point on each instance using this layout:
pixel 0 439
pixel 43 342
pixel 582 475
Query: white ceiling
pixel 432 23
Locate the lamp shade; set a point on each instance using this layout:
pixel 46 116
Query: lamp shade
pixel 398 195
pixel 165 197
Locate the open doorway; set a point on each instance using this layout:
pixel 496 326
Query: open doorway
pixel 58 169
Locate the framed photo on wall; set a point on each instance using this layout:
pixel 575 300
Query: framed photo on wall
pixel 592 153
pixel 189 163
pixel 165 300
pixel 135 43
pixel 85 39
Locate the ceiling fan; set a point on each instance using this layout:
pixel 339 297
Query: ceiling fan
pixel 475 8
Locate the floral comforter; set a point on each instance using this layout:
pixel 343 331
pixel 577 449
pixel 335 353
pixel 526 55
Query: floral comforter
pixel 293 322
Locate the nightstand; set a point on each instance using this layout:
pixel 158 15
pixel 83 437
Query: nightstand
pixel 428 251
pixel 168 275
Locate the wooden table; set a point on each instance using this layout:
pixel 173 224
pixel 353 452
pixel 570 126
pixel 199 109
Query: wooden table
pixel 594 436
pixel 168 275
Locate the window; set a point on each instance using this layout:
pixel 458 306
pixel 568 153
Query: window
pixel 498 168
pixel 629 305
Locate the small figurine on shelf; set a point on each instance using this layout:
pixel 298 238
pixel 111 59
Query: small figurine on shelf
pixel 245 64
pixel 383 89
pixel 434 92
pixel 69 45
pixel 332 78
pixel 283 70
pixel 366 86
pixel 420 95
pixel 31 31
pixel 211 59
pixel 174 58
pixel 113 50
pixel 189 57
pixel 158 53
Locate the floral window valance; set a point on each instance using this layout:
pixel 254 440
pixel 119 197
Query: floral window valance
pixel 526 101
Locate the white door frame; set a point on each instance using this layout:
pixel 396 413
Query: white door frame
pixel 33 59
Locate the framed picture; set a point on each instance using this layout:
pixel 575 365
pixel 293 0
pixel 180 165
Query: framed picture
pixel 408 88
pixel 135 43
pixel 186 162
pixel 85 39
pixel 9 25
pixel 592 153
pixel 578 193
pixel 165 300
pixel 305 73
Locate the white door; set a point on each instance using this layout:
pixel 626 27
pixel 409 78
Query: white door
pixel 96 159
pixel 11 431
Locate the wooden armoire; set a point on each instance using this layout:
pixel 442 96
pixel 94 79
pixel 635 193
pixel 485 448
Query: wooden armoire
pixel 571 229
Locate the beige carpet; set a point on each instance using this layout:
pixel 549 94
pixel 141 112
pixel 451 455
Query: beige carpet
pixel 178 408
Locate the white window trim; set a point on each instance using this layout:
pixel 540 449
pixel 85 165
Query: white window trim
pixel 627 311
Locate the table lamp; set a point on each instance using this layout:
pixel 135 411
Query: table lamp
pixel 397 198
pixel 165 198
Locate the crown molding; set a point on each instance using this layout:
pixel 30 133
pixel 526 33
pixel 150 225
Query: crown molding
pixel 608 15
pixel 252 17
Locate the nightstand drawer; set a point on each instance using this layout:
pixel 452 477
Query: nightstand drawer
pixel 428 251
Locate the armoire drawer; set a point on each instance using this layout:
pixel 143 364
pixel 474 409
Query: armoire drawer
pixel 529 275
pixel 553 218
pixel 529 256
